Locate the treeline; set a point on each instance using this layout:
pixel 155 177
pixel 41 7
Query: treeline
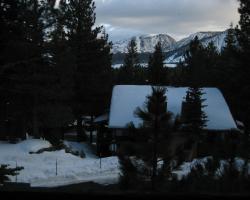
pixel 118 58
pixel 55 67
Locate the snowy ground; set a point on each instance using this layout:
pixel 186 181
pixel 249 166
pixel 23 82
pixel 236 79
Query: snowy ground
pixel 40 169
pixel 170 65
pixel 186 167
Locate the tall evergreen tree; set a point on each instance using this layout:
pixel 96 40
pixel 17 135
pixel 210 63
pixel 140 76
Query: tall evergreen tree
pixel 210 72
pixel 230 40
pixel 194 59
pixel 5 172
pixel 157 74
pixel 193 115
pixel 128 71
pixel 58 106
pixel 243 37
pixel 229 72
pixel 26 74
pixel 38 73
pixel 155 118
pixel 92 59
pixel 201 63
pixel 10 50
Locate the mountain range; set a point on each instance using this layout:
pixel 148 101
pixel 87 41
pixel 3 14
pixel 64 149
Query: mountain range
pixel 174 50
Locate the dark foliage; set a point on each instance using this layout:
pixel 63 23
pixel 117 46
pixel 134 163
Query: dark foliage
pixel 157 74
pixel 48 78
pixel 193 115
pixel 5 171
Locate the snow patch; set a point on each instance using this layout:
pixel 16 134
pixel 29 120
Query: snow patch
pixel 40 169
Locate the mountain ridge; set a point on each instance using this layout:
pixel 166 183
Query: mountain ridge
pixel 174 50
pixel 145 43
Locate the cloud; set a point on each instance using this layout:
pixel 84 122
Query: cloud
pixel 178 18
pixel 120 33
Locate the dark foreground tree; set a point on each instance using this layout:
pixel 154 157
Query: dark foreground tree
pixel 243 37
pixel 194 59
pixel 157 74
pixel 5 172
pixel 26 75
pixel 127 72
pixel 156 119
pixel 92 59
pixel 193 116
pixel 129 173
pixel 61 60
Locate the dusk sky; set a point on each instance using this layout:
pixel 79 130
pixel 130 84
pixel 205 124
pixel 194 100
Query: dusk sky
pixel 178 18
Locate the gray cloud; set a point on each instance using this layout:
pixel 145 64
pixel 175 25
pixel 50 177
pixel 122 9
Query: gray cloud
pixel 179 18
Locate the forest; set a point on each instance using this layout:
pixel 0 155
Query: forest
pixel 56 67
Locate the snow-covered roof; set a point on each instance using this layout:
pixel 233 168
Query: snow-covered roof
pixel 126 98
pixel 102 118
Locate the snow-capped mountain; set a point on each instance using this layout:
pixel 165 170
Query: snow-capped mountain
pixel 200 35
pixel 174 51
pixel 146 43
pixel 177 53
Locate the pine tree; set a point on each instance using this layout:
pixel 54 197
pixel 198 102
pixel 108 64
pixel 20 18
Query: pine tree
pixel 243 29
pixel 194 59
pixel 157 74
pixel 230 40
pixel 25 73
pixel 10 53
pixel 229 72
pixel 38 73
pixel 230 51
pixel 210 71
pixel 58 106
pixel 128 71
pixel 193 115
pixel 155 118
pixel 242 34
pixel 5 172
pixel 129 174
pixel 92 59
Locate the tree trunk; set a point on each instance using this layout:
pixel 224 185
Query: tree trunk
pixel 23 130
pixel 155 140
pixel 154 165
pixel 62 133
pixel 80 133
pixel 91 130
pixel 35 125
pixel 195 150
pixel 35 120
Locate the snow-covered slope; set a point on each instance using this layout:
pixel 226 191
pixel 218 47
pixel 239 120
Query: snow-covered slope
pixel 145 43
pixel 205 37
pixel 177 54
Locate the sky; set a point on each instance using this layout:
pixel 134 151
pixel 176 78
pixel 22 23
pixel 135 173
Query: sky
pixel 123 19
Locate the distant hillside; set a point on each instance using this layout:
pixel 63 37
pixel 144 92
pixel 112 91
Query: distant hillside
pixel 177 54
pixel 174 51
pixel 145 43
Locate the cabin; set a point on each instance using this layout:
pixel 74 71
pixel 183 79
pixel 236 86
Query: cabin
pixel 126 98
